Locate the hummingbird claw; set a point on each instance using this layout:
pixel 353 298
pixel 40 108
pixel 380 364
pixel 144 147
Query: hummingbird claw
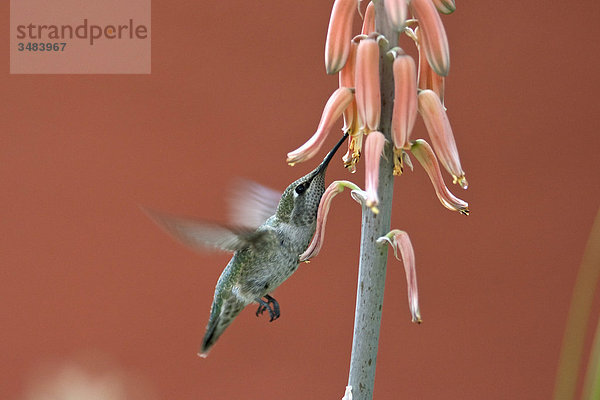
pixel 271 305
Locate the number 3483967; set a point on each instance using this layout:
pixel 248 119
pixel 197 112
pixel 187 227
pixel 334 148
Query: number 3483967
pixel 41 46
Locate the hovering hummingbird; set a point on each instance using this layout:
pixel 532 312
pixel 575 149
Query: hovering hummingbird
pixel 272 234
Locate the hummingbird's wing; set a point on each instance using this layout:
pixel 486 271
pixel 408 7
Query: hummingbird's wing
pixel 251 204
pixel 204 235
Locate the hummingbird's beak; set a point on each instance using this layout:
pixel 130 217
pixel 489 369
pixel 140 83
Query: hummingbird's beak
pixel 323 166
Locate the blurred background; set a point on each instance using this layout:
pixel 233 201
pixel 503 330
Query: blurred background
pixel 92 290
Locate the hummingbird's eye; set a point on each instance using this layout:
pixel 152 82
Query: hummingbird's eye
pixel 300 189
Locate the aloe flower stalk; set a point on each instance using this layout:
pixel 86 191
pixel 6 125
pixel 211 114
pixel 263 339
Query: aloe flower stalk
pixel 339 34
pixel 428 79
pixel 337 103
pixel 368 25
pixel 399 240
pixel 440 132
pixel 433 39
pixel 368 96
pixel 445 6
pixel 332 190
pixel 424 153
pixel 372 267
pixel 396 11
pixel 373 151
pixel 405 98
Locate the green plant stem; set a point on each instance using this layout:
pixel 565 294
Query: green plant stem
pixel 577 321
pixel 373 257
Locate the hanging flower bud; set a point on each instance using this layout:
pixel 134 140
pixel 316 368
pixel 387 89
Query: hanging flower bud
pixel 332 190
pixel 424 153
pixel 373 151
pixel 440 132
pixel 368 25
pixel 433 39
pixel 428 79
pixel 399 240
pixel 368 97
pixel 337 103
pixel 405 98
pixel 346 75
pixel 346 79
pixel 396 11
pixel 445 6
pixel 339 34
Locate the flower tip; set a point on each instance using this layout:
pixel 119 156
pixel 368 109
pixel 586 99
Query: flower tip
pixel 298 155
pixel 416 315
pixel 462 181
pixel 464 211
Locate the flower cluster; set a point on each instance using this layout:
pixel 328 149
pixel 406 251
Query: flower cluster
pixel 418 90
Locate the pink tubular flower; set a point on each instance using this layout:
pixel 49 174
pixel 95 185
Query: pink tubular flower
pixel 368 96
pixel 445 6
pixel 337 103
pixel 346 79
pixel 369 20
pixel 396 12
pixel 440 132
pixel 373 151
pixel 399 240
pixel 433 39
pixel 332 190
pixel 339 34
pixel 424 153
pixel 405 98
pixel 428 79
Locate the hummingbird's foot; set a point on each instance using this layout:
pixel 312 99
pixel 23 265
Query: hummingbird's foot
pixel 270 304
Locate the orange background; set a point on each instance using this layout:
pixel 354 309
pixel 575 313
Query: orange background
pixel 234 86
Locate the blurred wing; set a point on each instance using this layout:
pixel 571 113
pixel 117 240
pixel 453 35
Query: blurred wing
pixel 203 235
pixel 251 204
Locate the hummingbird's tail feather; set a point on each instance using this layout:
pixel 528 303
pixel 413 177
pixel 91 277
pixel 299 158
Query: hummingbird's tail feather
pixel 220 319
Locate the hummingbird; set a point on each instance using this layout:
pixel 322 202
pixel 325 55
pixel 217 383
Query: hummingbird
pixel 266 245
